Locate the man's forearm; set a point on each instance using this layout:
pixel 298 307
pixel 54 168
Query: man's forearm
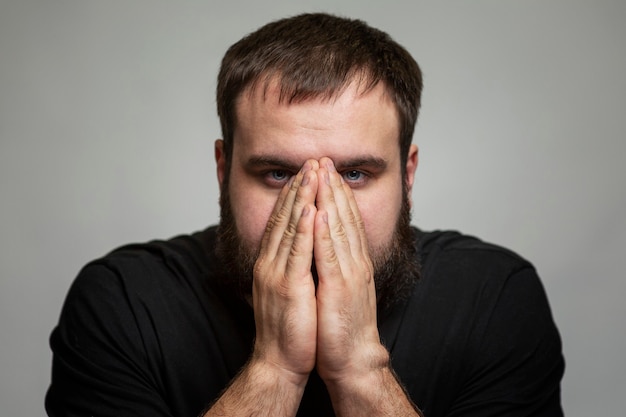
pixel 378 394
pixel 260 390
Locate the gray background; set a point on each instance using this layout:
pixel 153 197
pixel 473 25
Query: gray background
pixel 107 122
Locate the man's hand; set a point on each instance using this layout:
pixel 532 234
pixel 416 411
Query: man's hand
pixel 350 358
pixel 348 343
pixel 283 297
pixel 283 291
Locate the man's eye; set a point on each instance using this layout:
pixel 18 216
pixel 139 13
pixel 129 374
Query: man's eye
pixel 354 177
pixel 277 177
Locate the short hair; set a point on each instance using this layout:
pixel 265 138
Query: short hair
pixel 317 55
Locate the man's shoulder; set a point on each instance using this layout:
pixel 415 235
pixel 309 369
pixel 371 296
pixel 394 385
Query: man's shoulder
pixel 153 284
pixel 464 281
pixel 457 251
pixel 479 314
pixel 178 248
pixel 154 266
pixel 152 309
pixel 462 266
pixel 182 251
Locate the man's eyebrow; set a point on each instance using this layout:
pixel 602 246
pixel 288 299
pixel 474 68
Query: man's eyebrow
pixel 362 161
pixel 260 161
pixel 274 161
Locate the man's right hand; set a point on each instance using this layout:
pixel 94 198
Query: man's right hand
pixel 283 296
pixel 284 291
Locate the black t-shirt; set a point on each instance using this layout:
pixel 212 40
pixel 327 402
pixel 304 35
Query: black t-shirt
pixel 149 331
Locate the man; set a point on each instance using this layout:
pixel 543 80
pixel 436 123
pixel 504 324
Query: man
pixel 314 296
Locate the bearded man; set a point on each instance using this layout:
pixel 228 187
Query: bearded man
pixel 314 296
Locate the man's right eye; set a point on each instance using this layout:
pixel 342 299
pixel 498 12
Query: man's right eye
pixel 277 177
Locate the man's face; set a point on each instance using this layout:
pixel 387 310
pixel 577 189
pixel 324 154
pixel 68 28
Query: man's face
pixel 272 140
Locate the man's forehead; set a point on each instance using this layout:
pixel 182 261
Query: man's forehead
pixel 373 107
pixel 349 127
pixel 272 88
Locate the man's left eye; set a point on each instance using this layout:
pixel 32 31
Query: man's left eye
pixel 279 175
pixel 354 177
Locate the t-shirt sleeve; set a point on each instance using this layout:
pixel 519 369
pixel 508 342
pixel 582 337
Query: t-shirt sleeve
pixel 99 365
pixel 517 364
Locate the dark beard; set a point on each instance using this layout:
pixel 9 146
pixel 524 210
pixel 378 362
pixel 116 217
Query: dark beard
pixel 396 267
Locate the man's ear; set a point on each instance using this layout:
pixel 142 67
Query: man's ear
pixel 220 160
pixel 412 161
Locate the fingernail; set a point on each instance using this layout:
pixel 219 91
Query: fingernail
pixel 306 167
pixel 305 179
pixel 330 165
pixel 327 178
pixel 305 211
pixel 291 180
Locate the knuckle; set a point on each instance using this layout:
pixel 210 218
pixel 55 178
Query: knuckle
pixel 270 224
pixel 299 197
pixel 287 240
pixel 260 266
pixel 283 214
pixel 330 256
pixel 352 219
pixel 288 234
pixel 368 275
pixel 340 232
pixel 297 252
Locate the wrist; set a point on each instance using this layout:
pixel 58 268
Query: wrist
pixel 363 369
pixel 369 393
pixel 264 370
pixel 375 391
pixel 260 389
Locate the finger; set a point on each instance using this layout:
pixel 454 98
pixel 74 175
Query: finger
pixel 324 254
pixel 301 254
pixel 334 199
pixel 338 239
pixel 281 216
pixel 358 220
pixel 333 251
pixel 348 210
pixel 305 195
pixel 277 213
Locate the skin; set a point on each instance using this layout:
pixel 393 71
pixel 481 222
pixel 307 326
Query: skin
pixel 316 182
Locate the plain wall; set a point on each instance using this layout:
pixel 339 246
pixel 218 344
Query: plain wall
pixel 107 123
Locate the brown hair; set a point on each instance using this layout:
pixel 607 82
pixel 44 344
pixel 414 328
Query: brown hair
pixel 318 55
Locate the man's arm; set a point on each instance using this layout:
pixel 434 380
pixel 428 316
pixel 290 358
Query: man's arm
pixel 377 394
pixel 260 390
pixel 350 358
